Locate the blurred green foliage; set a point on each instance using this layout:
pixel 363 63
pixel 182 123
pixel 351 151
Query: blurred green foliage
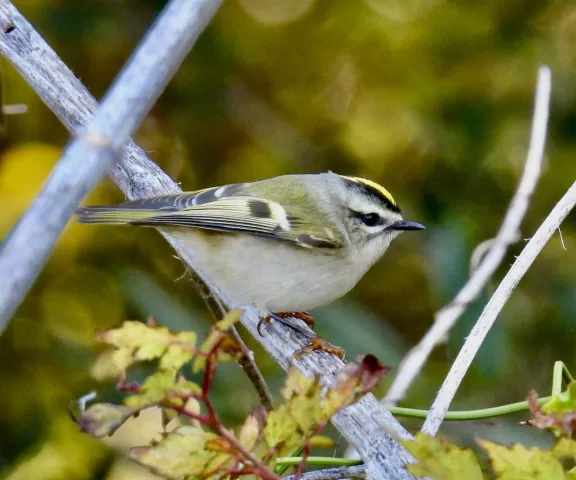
pixel 431 98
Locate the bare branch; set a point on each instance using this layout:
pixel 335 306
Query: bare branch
pixel 87 158
pixel 362 423
pixel 356 471
pixel 246 361
pixel 493 308
pixel 445 318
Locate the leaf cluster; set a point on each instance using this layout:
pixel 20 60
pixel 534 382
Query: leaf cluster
pixel 438 459
pixel 194 442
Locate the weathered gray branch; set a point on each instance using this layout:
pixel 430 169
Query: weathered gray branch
pixel 361 424
pixel 519 268
pixel 509 233
pixel 90 155
pixel 357 471
pixel 493 309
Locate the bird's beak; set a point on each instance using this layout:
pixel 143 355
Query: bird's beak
pixel 406 225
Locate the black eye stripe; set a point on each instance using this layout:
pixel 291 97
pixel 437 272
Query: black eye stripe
pixel 370 219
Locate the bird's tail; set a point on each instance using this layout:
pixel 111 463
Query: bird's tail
pixel 113 215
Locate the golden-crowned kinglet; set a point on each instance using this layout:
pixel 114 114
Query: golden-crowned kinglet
pixel 286 244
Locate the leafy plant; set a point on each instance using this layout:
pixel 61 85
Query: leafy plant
pixel 194 441
pixel 438 459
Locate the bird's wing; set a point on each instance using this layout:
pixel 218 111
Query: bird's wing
pixel 227 209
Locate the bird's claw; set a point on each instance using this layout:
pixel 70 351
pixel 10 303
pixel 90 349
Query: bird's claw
pixel 304 316
pixel 317 343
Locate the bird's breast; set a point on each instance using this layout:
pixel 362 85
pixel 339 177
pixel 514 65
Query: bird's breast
pixel 269 274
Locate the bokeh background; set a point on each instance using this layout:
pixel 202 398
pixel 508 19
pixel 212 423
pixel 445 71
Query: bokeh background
pixel 431 98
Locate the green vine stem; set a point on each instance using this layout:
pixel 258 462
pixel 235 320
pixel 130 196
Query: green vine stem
pixel 468 414
pixel 560 377
pixel 318 461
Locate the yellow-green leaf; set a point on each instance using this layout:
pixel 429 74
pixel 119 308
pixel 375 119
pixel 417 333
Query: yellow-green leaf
pixel 251 431
pixel 179 454
pixel 563 402
pixel 157 385
pixel 307 412
pixel 136 342
pixel 297 383
pixel 179 352
pixel 136 401
pixel 522 463
pixel 565 447
pixel 228 348
pixel 280 426
pixel 440 460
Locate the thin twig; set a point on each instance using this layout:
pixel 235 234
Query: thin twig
pixel 366 424
pixel 509 233
pixel 493 308
pixel 87 158
pixel 357 471
pixel 246 361
pixel 216 423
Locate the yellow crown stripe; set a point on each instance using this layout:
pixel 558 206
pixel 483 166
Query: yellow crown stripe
pixel 373 185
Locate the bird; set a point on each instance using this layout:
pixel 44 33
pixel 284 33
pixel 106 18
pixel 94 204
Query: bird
pixel 283 245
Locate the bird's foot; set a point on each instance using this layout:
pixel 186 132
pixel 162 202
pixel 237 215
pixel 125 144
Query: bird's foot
pixel 317 343
pixel 262 322
pixel 282 318
pixel 304 316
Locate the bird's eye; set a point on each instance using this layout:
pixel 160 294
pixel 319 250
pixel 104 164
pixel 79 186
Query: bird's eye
pixel 370 219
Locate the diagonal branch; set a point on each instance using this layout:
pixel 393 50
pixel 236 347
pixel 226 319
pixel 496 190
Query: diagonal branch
pixel 509 233
pixel 87 158
pixel 493 308
pixel 190 19
pixel 356 471
pixel 361 424
pixel 535 245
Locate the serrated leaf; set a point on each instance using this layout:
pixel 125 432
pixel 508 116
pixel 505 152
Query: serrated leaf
pixel 251 431
pixel 297 383
pixel 307 412
pixel 185 388
pixel 103 419
pixel 180 453
pixel 220 445
pixel 178 354
pixel 280 426
pixel 122 359
pixel 158 385
pixel 565 447
pixel 335 400
pixel 353 381
pixel 136 401
pixel 228 348
pixel 137 342
pixel 439 460
pixel 522 463
pixel 563 402
pixel 105 367
pixel 162 384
